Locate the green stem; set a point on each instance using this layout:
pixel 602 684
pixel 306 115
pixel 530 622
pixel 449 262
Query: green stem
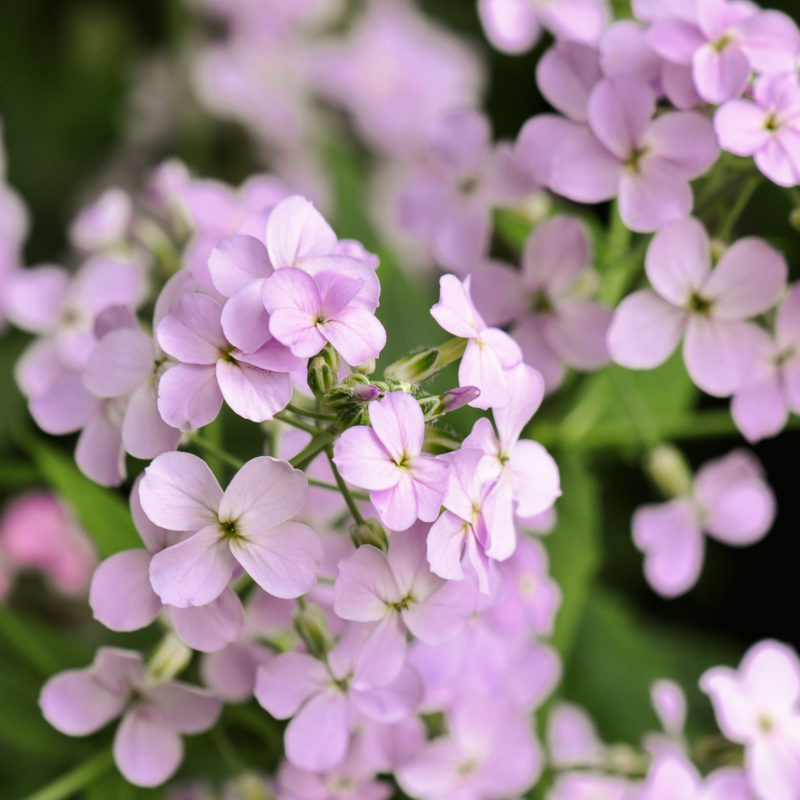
pixel 745 196
pixel 344 489
pixel 313 449
pixel 638 412
pixel 226 749
pixel 297 423
pixel 303 412
pixel 72 782
pixel 216 451
pixel 332 487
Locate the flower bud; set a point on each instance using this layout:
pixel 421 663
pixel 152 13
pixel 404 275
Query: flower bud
pixel 169 659
pixel 418 367
pixel 668 469
pixel 367 368
pixel 455 398
pixel 369 532
pixel 312 627
pixel 323 371
pixel 250 786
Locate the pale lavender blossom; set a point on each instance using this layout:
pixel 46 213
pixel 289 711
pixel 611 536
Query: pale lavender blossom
pixel 490 353
pixel 147 746
pixel 122 597
pixel 623 152
pixel 386 458
pixel 447 202
pixel 710 305
pixel 552 319
pixel 730 501
pixel 767 127
pixel 324 703
pixel 572 739
pixel 255 385
pixel 674 777
pixel 514 26
pixel 761 406
pixel 476 525
pixel 397 591
pixel 591 786
pixel 724 42
pixel 758 706
pixel 490 753
pixel 247 524
pixel 104 223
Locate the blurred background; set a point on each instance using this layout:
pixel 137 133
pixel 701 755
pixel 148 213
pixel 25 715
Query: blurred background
pixel 96 92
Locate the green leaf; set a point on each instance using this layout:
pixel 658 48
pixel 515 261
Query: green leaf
pixel 101 511
pixel 573 546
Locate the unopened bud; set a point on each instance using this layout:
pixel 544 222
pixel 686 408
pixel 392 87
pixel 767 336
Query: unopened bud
pixel 250 786
pixel 323 371
pixel 456 398
pixel 312 627
pixel 369 532
pixel 418 367
pixel 367 368
pixel 794 218
pixel 170 658
pixel 668 469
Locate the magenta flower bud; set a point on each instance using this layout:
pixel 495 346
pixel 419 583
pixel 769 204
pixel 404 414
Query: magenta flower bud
pixel 366 393
pixel 455 398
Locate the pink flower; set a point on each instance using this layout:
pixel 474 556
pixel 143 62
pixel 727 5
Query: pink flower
pixel 761 406
pixel 398 592
pixel 103 223
pixel 725 42
pixel 572 739
pixel 551 319
pixel 475 526
pixel 36 531
pixel 489 354
pixel 514 26
pixel 673 777
pixel 447 202
pixel 624 152
pixel 730 501
pixel 306 312
pixel 324 703
pixel 490 753
pixel 710 305
pixel 591 786
pixel 255 385
pixel 758 705
pixel 767 129
pixel 387 459
pixel 524 466
pixel 246 524
pixel 147 745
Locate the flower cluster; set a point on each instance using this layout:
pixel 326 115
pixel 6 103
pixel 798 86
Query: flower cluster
pixel 342 553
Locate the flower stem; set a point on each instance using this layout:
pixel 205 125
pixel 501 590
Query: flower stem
pixel 24 639
pixel 296 423
pixel 742 200
pixel 334 488
pixel 313 448
pixel 344 489
pixel 215 450
pixel 303 412
pixel 72 782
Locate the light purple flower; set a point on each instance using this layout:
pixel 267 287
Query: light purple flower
pixel 255 385
pixel 514 26
pixel 761 406
pixel 709 305
pixel 725 42
pixel 673 777
pixel 490 753
pixel 647 163
pixel 758 705
pixel 309 311
pixel 572 739
pixel 730 501
pixel 398 592
pixel 104 223
pixel 447 202
pixel 386 458
pixel 490 353
pixel 122 597
pixel 475 526
pixel 767 129
pixel 591 786
pixel 395 72
pixel 524 466
pixel 551 318
pixel 147 745
pixel 246 524
pixel 324 703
